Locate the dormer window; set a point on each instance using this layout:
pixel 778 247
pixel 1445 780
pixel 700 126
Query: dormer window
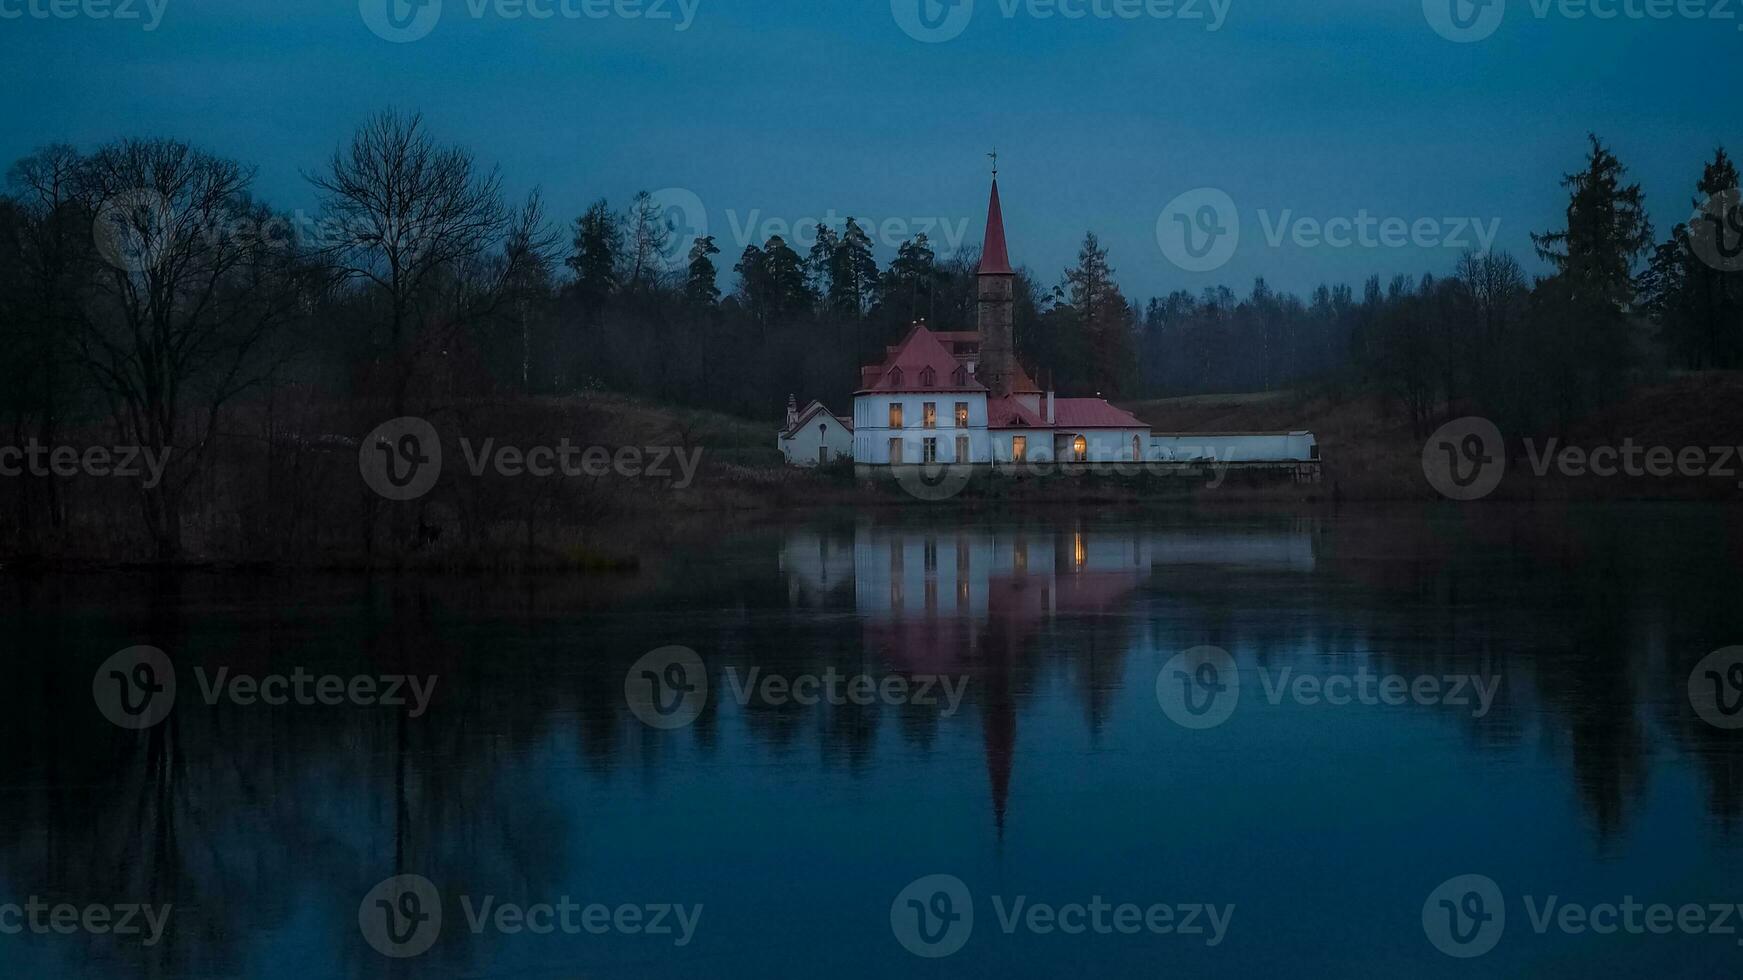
pixel 960 377
pixel 928 378
pixel 896 377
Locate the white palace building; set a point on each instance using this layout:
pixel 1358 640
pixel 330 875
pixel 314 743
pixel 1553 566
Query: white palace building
pixel 961 397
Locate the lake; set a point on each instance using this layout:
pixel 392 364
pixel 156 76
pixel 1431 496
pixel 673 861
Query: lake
pixel 1415 741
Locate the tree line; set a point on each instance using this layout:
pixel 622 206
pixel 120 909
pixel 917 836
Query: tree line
pixel 146 292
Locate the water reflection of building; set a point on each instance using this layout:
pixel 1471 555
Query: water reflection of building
pixel 968 601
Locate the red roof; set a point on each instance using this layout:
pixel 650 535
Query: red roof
pixel 1009 413
pixel 994 260
pixel 905 368
pixel 1091 413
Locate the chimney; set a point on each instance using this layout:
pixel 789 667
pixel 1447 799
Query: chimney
pixel 1050 416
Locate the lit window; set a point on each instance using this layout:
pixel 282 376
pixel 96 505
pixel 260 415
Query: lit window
pixel 1080 448
pixel 1019 448
pixel 929 415
pixel 962 415
pixel 895 415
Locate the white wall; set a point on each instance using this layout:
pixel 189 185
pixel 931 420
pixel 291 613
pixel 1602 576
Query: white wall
pixel 872 434
pixel 821 431
pixel 1270 447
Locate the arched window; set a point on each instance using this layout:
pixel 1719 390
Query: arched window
pixel 1137 449
pixel 1080 448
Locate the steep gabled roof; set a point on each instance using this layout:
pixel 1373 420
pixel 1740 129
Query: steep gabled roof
pixel 810 412
pixel 907 363
pixel 994 260
pixel 1009 413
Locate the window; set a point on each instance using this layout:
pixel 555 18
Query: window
pixel 1019 448
pixel 962 449
pixel 959 377
pixel 928 378
pixel 929 415
pixel 896 377
pixel 929 451
pixel 962 415
pixel 1080 448
pixel 895 415
pixel 895 452
pixel 1137 449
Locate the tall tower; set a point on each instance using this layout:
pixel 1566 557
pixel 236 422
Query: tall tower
pixel 994 284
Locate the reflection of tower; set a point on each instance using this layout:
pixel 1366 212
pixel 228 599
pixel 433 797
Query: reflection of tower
pixel 998 719
pixel 994 287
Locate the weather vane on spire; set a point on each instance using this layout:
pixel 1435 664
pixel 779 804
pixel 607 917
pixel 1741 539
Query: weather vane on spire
pixel 994 155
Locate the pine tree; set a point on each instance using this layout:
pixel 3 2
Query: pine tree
pixel 700 284
pixel 597 245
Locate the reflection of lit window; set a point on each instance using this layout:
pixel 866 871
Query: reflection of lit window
pixel 1080 448
pixel 1079 553
pixel 931 553
pixel 929 415
pixel 1019 448
pixel 1020 555
pixel 962 415
pixel 962 593
pixel 895 415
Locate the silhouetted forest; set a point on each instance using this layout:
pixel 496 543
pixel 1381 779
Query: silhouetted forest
pixel 147 294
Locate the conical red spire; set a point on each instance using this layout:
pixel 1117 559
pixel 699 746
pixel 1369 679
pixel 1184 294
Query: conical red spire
pixel 994 260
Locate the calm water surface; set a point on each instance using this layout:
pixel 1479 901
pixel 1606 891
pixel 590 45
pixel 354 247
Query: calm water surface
pixel 1065 771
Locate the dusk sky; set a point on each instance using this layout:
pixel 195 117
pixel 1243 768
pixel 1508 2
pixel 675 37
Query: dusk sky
pixel 792 109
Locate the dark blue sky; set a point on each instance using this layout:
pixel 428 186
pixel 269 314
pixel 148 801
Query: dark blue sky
pixel 789 109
